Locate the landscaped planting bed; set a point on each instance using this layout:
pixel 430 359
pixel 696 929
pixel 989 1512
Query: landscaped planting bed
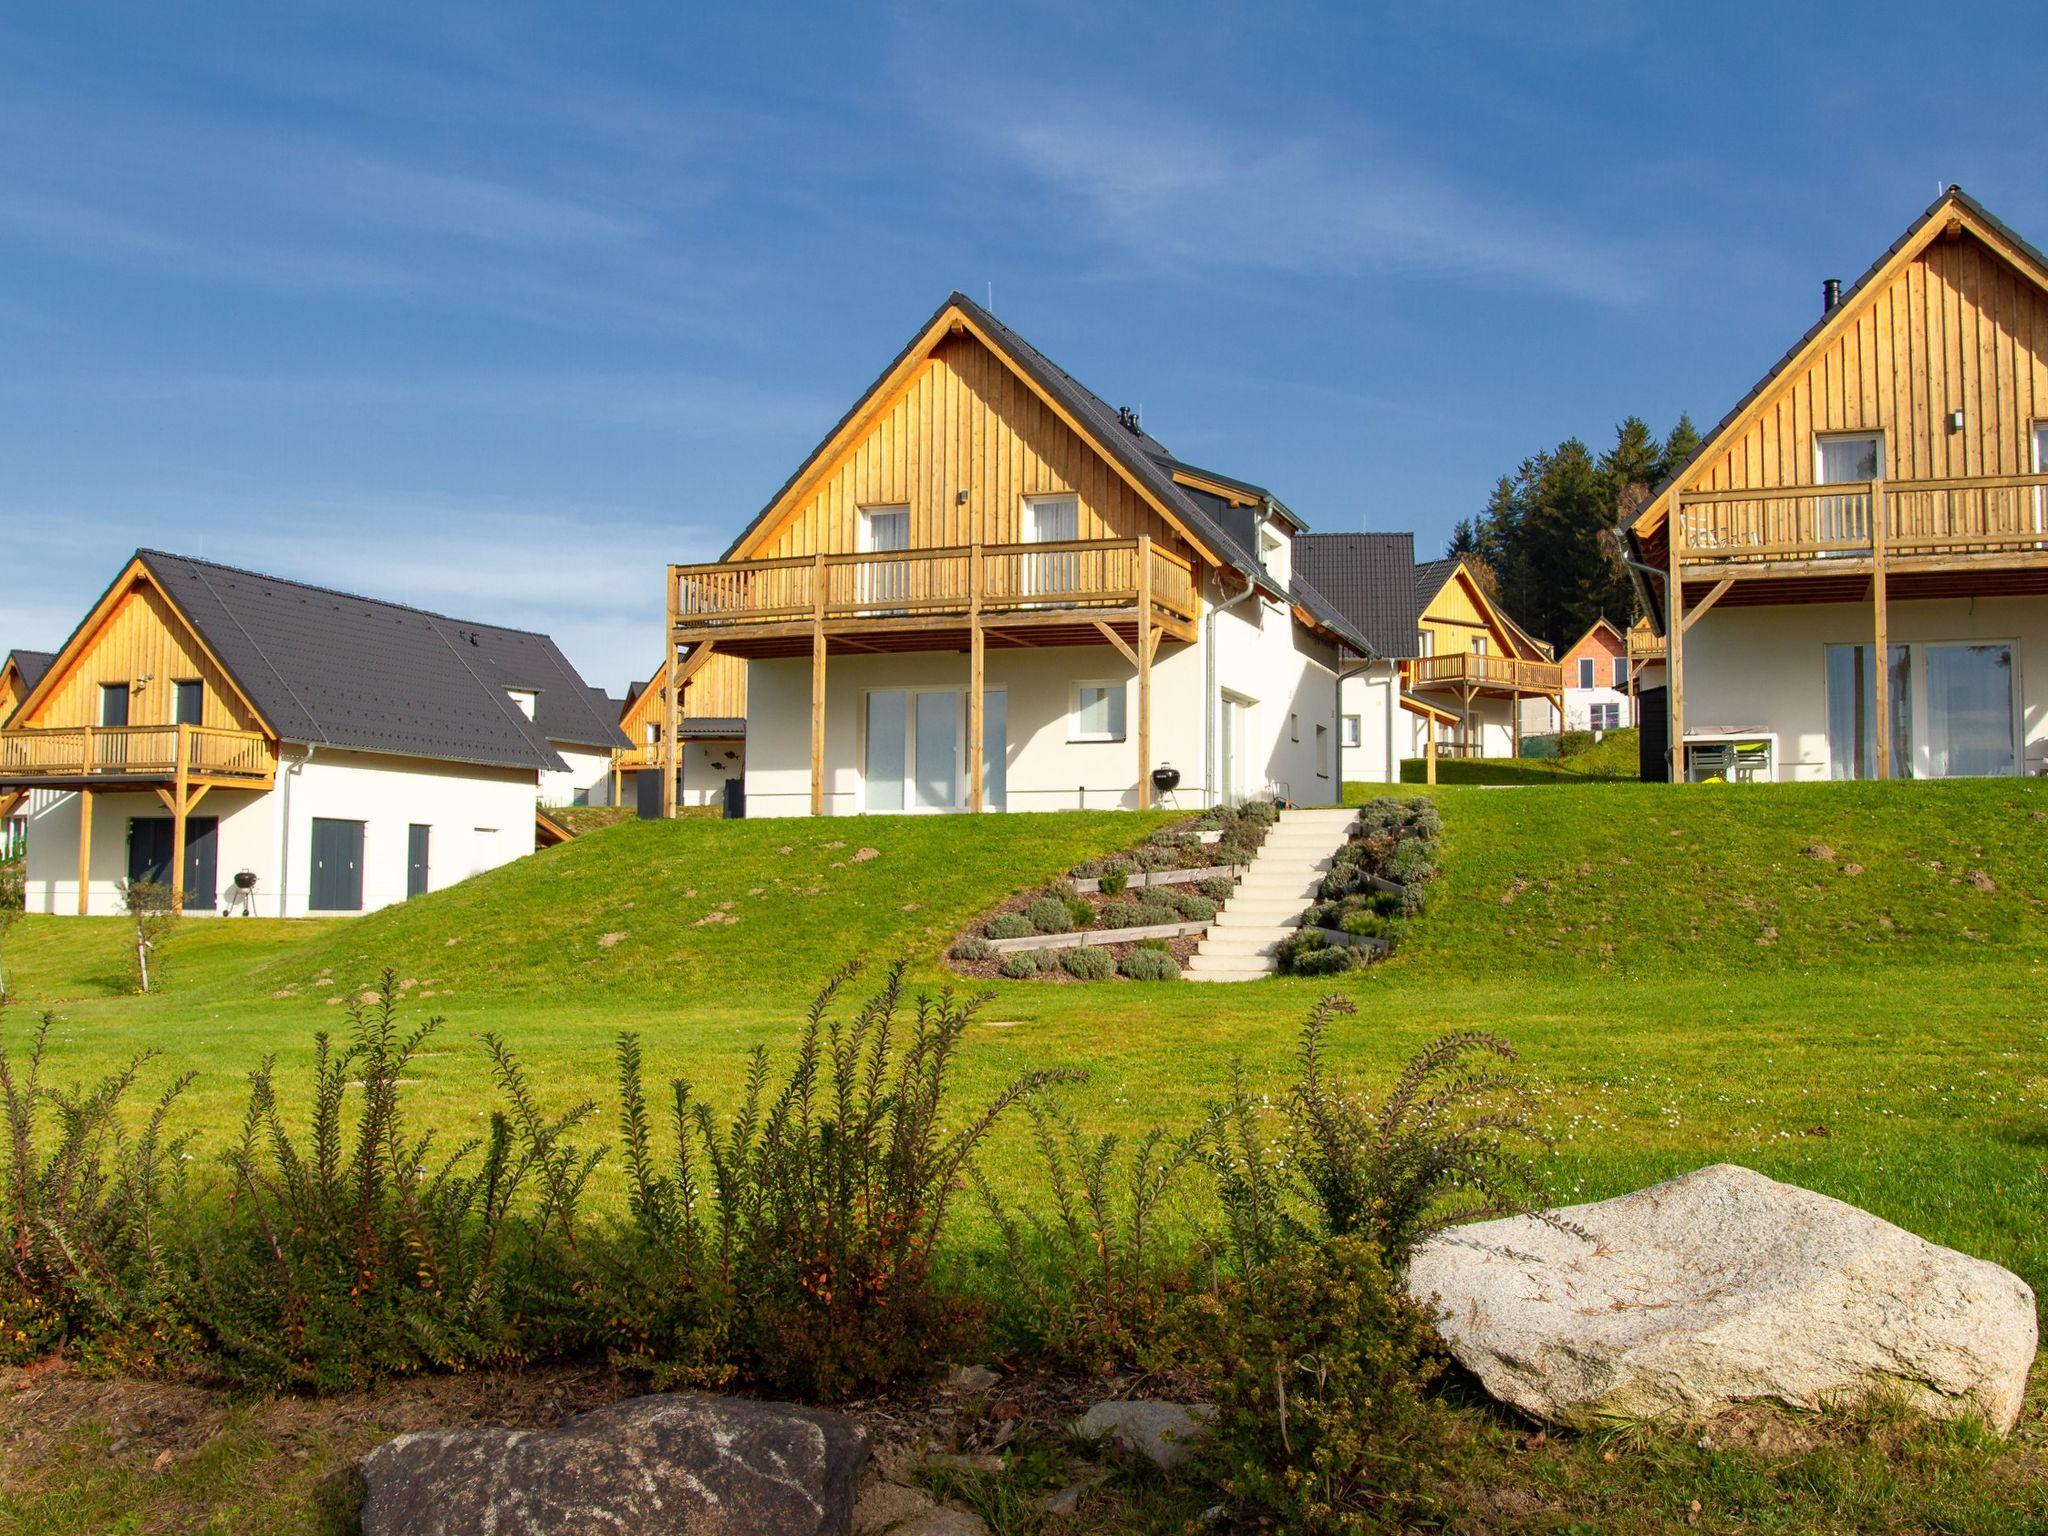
pixel 1380 882
pixel 1138 915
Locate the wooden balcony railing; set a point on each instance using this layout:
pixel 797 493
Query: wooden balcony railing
pixel 86 752
pixel 991 579
pixel 1642 648
pixel 1929 524
pixel 1499 674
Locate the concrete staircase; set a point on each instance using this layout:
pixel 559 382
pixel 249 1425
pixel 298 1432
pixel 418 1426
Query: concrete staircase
pixel 1267 905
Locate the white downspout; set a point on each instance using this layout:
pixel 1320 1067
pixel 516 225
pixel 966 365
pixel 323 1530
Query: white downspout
pixel 284 832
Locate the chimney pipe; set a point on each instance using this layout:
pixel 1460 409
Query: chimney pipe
pixel 1830 295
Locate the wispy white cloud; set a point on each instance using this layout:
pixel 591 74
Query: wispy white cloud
pixel 1342 201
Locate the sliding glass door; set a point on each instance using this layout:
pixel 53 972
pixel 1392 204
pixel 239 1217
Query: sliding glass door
pixel 1852 712
pixel 915 755
pixel 1969 711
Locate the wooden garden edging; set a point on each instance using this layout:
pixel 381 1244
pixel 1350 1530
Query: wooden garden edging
pixel 1140 878
pixel 1086 936
pixel 1336 936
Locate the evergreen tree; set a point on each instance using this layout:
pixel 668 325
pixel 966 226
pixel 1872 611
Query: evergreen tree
pixel 1680 446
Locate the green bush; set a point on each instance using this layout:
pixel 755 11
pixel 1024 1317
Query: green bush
pixel 1320 1369
pixel 1020 964
pixel 1150 965
pixel 1159 907
pixel 1364 922
pixel 1328 961
pixel 1194 906
pixel 1081 912
pixel 972 946
pixel 1048 914
pixel 1088 963
pixel 1009 925
pixel 1062 889
pixel 1114 880
pixel 1121 914
pixel 1218 888
pixel 1410 864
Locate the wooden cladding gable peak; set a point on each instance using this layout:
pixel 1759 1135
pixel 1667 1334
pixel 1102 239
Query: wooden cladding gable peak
pixel 1956 318
pixel 136 636
pixel 1460 607
pixel 956 414
pixel 714 688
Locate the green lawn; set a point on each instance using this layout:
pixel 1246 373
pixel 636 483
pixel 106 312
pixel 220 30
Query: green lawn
pixel 1840 985
pixel 1612 758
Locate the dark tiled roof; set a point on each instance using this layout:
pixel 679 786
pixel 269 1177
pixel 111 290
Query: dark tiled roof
pixel 1370 578
pixel 332 669
pixel 717 726
pixel 32 665
pixel 1143 455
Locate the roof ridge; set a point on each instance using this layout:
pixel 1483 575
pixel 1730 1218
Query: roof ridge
pixel 340 592
pixel 262 655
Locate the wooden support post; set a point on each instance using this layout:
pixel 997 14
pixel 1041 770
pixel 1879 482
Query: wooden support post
pixel 1674 637
pixel 671 708
pixel 179 785
pixel 1146 643
pixel 1882 688
pixel 84 844
pixel 818 579
pixel 975 664
pixel 1430 758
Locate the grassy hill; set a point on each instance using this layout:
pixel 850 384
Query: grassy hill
pixel 1581 759
pixel 1837 984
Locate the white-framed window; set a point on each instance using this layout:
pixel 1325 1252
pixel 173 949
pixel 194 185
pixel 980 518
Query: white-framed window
pixel 1274 555
pixel 1621 672
pixel 1426 643
pixel 1097 712
pixel 880 531
pixel 1353 734
pixel 2040 436
pixel 1322 751
pixel 1605 717
pixel 1479 645
pixel 1840 458
pixel 1585 671
pixel 1052 520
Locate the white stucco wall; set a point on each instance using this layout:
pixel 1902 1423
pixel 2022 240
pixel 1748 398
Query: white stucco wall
pixel 1284 678
pixel 587 781
pixel 1765 668
pixel 480 818
pixel 1491 727
pixel 1373 695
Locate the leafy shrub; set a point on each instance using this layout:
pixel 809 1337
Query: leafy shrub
pixel 1090 1273
pixel 1121 914
pixel 1260 812
pixel 1020 964
pixel 972 946
pixel 1152 856
pixel 1009 925
pixel 1218 888
pixel 1114 880
pixel 1449 1143
pixel 1342 880
pixel 1366 923
pixel 1194 906
pixel 1062 889
pixel 1410 864
pixel 1424 819
pixel 1088 963
pixel 1150 965
pixel 1159 908
pixel 13 900
pixel 1414 900
pixel 1320 1369
pixel 1081 912
pixel 1048 914
pixel 1328 961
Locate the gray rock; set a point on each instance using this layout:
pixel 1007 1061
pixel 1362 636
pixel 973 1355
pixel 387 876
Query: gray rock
pixel 1725 1287
pixel 944 1521
pixel 971 1378
pixel 1067 1500
pixel 681 1465
pixel 1165 1434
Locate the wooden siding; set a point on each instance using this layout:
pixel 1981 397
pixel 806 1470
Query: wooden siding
pixel 1458 612
pixel 717 690
pixel 963 422
pixel 11 691
pixel 140 637
pixel 1957 328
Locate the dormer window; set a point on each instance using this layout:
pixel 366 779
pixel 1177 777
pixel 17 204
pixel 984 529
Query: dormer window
pixel 525 698
pixel 1274 555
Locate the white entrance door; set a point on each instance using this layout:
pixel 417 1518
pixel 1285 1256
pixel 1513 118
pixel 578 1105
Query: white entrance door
pixel 915 752
pixel 882 530
pixel 1230 750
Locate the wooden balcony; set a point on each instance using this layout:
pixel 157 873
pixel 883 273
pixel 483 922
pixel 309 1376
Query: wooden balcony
pixel 1982 523
pixel 1471 674
pixel 917 599
pixel 95 756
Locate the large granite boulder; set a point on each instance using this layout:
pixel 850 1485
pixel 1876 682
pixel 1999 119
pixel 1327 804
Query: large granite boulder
pixel 1166 1434
pixel 1725 1287
pixel 681 1465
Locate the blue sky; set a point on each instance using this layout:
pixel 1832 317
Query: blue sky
pixel 496 310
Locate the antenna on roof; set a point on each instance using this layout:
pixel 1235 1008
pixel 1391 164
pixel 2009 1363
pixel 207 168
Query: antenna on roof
pixel 991 298
pixel 1128 419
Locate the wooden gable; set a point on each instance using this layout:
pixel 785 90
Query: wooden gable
pixel 11 688
pixel 1459 610
pixel 714 688
pixel 136 635
pixel 959 419
pixel 1956 318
